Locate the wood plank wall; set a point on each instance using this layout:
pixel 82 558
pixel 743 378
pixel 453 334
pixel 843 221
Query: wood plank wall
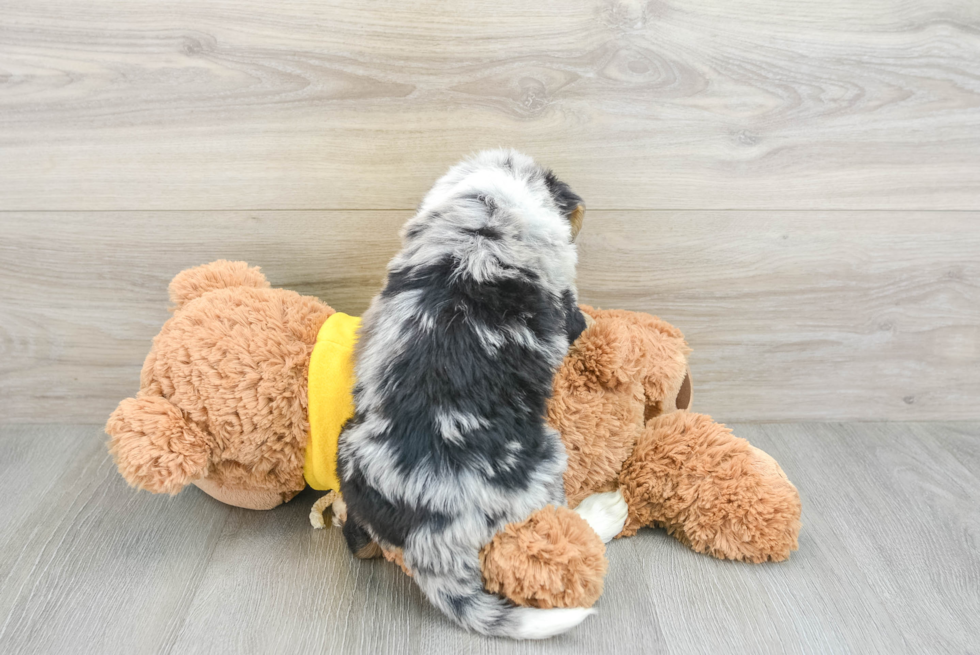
pixel 793 183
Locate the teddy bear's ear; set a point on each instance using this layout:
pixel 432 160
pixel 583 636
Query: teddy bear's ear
pixel 686 393
pixel 664 370
pixel 596 357
pixel 195 282
pixel 677 397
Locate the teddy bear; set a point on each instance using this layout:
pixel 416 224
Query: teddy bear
pixel 244 394
pixel 246 387
pixel 621 401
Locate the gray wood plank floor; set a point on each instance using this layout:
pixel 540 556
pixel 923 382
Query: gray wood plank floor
pixel 888 562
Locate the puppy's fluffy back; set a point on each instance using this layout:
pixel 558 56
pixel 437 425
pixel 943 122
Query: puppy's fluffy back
pixel 455 362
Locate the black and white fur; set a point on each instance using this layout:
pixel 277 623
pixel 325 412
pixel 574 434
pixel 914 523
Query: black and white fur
pixel 455 362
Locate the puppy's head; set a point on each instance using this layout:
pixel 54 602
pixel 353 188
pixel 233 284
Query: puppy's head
pixel 504 175
pixel 568 202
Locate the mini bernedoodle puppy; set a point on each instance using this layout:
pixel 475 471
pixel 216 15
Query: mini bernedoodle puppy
pixel 454 362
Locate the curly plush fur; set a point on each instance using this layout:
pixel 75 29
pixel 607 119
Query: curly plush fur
pixel 624 369
pixel 551 560
pixel 222 398
pixel 711 490
pixel 222 405
pixel 621 400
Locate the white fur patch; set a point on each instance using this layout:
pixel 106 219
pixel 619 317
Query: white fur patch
pixel 542 624
pixel 605 513
pixel 454 425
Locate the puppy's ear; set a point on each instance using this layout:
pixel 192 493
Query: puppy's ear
pixel 576 218
pixel 568 202
pixel 575 321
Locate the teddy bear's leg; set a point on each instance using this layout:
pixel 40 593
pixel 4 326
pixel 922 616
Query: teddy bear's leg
pixel 551 559
pixel 711 490
pixel 605 513
pixel 261 499
pixel 554 558
pixel 155 447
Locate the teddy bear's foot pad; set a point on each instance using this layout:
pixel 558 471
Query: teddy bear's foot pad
pixel 605 513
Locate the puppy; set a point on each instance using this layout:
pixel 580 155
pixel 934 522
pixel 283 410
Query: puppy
pixel 454 362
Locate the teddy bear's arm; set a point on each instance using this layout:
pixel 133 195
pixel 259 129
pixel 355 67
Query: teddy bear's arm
pixel 713 491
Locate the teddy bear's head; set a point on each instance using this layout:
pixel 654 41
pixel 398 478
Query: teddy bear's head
pixel 625 369
pixel 223 399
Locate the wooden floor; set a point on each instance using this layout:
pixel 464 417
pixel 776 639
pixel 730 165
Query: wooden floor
pixel 888 563
pixel 795 184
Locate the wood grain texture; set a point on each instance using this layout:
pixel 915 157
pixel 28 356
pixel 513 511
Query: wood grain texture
pixel 792 315
pixel 91 564
pixel 805 315
pixel 222 104
pixel 888 563
pixel 84 294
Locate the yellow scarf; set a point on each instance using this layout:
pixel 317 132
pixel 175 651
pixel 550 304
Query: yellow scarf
pixel 330 398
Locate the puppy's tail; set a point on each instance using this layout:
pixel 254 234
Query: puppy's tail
pixel 460 596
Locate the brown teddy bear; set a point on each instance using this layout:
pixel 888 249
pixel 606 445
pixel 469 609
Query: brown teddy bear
pixel 621 401
pixel 225 404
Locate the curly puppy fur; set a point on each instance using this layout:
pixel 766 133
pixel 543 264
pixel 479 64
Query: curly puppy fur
pixel 620 400
pixel 551 560
pixel 712 491
pixel 455 361
pixel 222 397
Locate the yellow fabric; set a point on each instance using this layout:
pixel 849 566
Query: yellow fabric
pixel 331 401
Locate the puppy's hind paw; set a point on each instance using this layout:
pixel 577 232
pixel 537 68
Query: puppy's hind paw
pixel 605 513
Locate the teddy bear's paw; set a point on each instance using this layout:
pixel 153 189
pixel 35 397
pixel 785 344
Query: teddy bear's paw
pixel 155 447
pixel 605 513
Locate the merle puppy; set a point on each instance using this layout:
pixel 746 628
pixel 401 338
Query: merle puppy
pixel 455 360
